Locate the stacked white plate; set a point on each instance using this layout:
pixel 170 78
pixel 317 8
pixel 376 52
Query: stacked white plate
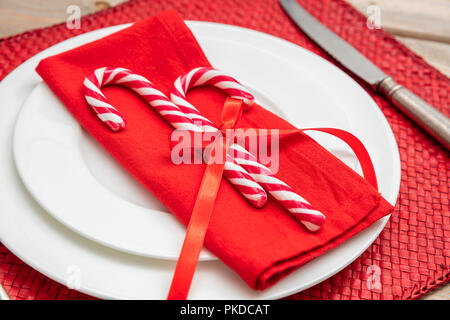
pixel 68 210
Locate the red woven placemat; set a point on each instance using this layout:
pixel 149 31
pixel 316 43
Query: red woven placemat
pixel 412 254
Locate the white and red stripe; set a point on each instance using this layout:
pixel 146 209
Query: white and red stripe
pixel 287 197
pixel 205 76
pixel 109 115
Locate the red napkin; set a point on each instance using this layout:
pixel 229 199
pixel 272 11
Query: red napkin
pixel 261 245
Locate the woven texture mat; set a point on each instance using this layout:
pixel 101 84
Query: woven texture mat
pixel 412 254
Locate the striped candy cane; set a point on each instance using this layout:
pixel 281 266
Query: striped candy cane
pixel 111 117
pixel 288 198
pixel 207 76
pixel 293 202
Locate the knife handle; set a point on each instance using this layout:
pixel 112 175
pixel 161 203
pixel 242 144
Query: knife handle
pixel 433 121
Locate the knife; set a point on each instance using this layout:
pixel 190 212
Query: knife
pixel 433 121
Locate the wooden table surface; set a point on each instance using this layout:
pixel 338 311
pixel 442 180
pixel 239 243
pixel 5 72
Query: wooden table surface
pixel 423 26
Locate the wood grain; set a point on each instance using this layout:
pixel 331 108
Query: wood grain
pixel 420 19
pixel 19 16
pixel 436 53
pixel 422 25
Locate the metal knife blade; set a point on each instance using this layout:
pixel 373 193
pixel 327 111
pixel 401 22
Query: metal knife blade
pixel 333 44
pixel 425 115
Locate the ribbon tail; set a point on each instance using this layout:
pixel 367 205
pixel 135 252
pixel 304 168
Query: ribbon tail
pixel 196 231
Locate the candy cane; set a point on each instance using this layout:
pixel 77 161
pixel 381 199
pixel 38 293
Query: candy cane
pixel 207 76
pixel 109 115
pixel 287 197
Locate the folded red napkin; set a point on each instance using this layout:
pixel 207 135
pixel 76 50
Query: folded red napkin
pixel 261 245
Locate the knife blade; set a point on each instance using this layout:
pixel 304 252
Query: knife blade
pixel 429 118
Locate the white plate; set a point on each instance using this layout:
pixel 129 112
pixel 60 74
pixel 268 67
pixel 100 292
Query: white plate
pixel 73 178
pixel 77 181
pixel 38 239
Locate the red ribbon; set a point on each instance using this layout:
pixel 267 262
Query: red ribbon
pixel 206 197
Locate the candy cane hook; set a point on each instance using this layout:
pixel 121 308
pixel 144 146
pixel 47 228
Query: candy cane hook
pixel 112 118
